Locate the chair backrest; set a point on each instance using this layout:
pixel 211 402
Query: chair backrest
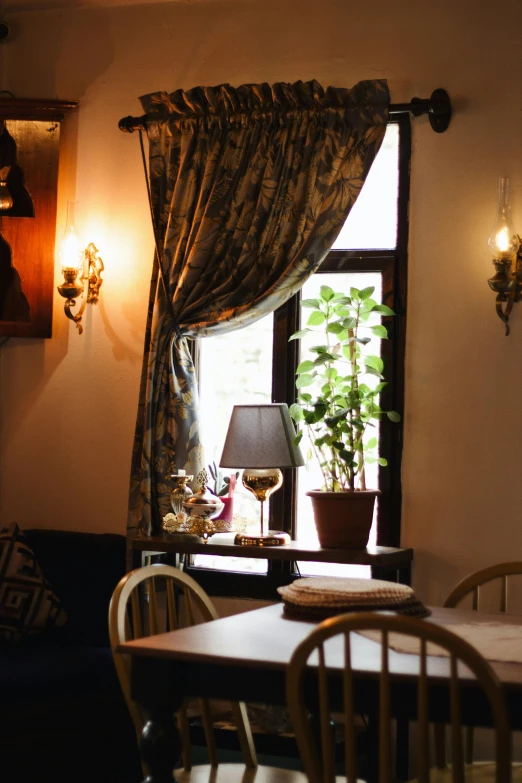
pixel 473 583
pixel 317 753
pixel 135 611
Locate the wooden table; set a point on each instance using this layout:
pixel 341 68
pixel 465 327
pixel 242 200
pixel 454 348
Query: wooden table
pixel 244 658
pixel 391 563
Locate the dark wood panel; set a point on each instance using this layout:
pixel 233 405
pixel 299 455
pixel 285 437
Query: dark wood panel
pixel 35 128
pixel 34 109
pixel 222 544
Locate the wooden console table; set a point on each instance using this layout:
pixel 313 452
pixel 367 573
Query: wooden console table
pixel 391 563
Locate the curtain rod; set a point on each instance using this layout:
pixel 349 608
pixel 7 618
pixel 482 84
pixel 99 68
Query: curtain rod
pixel 437 107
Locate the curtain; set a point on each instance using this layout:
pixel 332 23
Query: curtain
pixel 250 187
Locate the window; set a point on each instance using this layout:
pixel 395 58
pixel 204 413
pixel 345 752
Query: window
pixel 257 364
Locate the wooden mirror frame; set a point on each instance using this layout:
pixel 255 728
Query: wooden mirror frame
pixel 35 127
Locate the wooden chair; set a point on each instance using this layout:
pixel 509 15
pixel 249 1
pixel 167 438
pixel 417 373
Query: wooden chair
pixel 322 771
pixel 135 612
pixel 471 585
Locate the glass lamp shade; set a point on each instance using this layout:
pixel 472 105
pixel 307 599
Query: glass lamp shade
pixel 71 254
pixel 503 241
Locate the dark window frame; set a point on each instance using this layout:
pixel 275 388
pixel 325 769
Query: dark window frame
pixel 392 264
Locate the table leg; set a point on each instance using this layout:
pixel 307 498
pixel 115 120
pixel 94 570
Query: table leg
pixel 160 746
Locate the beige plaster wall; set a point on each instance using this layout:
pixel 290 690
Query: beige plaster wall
pixel 67 405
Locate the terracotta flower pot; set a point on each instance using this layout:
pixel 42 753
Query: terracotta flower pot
pixel 343 519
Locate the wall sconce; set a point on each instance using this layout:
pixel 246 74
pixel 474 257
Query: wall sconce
pixel 81 269
pixel 504 244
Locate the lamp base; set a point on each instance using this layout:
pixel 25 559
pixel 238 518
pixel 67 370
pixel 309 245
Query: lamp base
pixel 272 538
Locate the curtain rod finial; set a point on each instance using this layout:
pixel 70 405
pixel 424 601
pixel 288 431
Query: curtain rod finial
pixel 130 124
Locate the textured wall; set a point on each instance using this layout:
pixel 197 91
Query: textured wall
pixel 67 405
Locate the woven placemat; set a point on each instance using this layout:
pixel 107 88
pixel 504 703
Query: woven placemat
pixel 321 597
pixel 339 591
pixel 412 607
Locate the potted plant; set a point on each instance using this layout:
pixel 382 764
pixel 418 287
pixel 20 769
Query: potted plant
pixel 338 410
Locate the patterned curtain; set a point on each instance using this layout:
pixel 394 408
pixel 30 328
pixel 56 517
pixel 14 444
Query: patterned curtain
pixel 250 187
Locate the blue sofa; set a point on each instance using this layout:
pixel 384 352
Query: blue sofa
pixel 64 717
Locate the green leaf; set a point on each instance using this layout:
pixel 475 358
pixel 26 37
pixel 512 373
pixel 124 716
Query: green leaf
pixel 331 373
pixel 393 415
pixel 372 443
pixel 296 412
pixel 380 331
pixel 382 309
pixel 304 380
pixel 367 292
pixel 316 303
pixel 335 327
pixel 327 293
pixel 323 358
pixel 305 366
pixel 363 340
pixel 347 455
pixel 299 334
pixel 316 318
pixel 355 294
pixel 375 362
pixel 349 323
pixel 371 371
pixel 305 397
pixel 298 438
pixel 382 461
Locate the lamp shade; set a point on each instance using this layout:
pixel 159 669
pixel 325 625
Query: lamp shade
pixel 261 436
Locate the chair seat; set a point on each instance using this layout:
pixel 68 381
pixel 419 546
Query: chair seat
pixel 478 772
pixel 238 773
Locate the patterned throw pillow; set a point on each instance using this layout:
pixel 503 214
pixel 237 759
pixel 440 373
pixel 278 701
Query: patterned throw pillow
pixel 27 604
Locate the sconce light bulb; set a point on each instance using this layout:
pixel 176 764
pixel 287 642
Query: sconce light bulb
pixel 71 253
pixel 503 241
pixel 6 201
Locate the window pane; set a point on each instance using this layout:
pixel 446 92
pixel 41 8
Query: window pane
pixel 310 477
pixel 234 369
pixel 372 223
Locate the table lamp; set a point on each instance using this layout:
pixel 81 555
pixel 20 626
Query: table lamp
pixel 260 439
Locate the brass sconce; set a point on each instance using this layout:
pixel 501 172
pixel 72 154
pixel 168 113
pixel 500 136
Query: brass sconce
pixel 81 269
pixel 504 244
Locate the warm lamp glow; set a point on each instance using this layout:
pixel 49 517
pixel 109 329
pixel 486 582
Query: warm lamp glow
pixel 71 253
pixel 503 241
pixel 81 268
pixel 504 244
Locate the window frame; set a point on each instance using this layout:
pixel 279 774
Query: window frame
pixel 392 264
